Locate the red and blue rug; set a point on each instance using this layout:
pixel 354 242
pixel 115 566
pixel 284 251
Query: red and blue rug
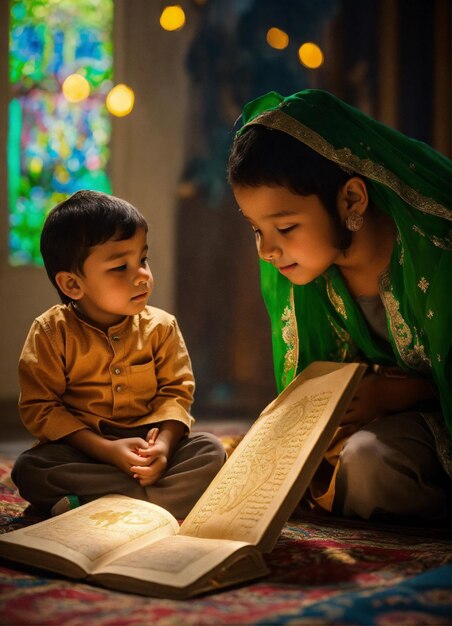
pixel 324 571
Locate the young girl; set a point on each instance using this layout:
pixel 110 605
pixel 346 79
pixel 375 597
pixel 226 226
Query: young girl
pixel 352 227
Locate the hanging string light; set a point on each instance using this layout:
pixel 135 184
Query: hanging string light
pixel 277 38
pixel 76 88
pixel 172 17
pixel 310 55
pixel 120 100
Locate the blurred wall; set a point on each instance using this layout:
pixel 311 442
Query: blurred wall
pixel 389 58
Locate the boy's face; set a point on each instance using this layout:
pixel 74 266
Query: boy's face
pixel 116 280
pixel 295 233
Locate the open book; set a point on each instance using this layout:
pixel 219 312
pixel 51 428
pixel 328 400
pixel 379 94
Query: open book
pixel 135 546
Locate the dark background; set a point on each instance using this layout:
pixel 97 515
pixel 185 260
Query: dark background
pixel 390 58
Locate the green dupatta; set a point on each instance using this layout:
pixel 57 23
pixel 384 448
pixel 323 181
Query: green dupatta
pixel 410 181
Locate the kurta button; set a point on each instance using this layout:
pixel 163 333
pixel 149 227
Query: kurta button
pixel 117 370
pixel 115 337
pixel 118 388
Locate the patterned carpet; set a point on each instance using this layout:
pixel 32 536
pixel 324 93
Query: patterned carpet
pixel 324 571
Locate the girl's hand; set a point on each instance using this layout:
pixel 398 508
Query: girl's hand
pixel 378 396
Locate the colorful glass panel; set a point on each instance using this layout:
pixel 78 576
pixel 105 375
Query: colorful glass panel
pixel 55 147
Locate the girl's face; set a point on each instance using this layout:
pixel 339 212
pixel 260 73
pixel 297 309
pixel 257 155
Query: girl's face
pixel 293 232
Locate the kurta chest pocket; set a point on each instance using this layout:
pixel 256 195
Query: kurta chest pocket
pixel 142 378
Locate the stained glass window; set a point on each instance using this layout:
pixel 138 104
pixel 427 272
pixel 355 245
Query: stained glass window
pixel 55 145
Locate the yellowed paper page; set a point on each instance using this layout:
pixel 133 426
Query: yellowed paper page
pixel 98 531
pixel 174 561
pixel 250 489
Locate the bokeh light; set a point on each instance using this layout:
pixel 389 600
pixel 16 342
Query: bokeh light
pixel 277 38
pixel 310 55
pixel 120 100
pixel 172 17
pixel 76 88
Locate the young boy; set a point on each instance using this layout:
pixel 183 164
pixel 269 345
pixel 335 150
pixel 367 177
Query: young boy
pixel 106 381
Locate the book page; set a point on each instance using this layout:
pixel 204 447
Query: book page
pixel 96 532
pixel 252 486
pixel 173 561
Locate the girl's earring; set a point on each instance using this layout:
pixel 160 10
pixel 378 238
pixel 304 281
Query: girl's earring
pixel 354 221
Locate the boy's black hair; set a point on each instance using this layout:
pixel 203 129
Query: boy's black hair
pixel 263 156
pixel 86 219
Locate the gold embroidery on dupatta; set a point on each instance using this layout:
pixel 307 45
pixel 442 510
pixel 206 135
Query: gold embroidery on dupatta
pixel 444 243
pixel 401 248
pixel 335 298
pixel 408 344
pixel 350 162
pixel 423 284
pixel 418 357
pixel 289 333
pixel 346 348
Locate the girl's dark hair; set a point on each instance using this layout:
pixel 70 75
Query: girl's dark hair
pixel 263 156
pixel 84 220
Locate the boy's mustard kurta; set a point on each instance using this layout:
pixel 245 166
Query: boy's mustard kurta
pixel 74 376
